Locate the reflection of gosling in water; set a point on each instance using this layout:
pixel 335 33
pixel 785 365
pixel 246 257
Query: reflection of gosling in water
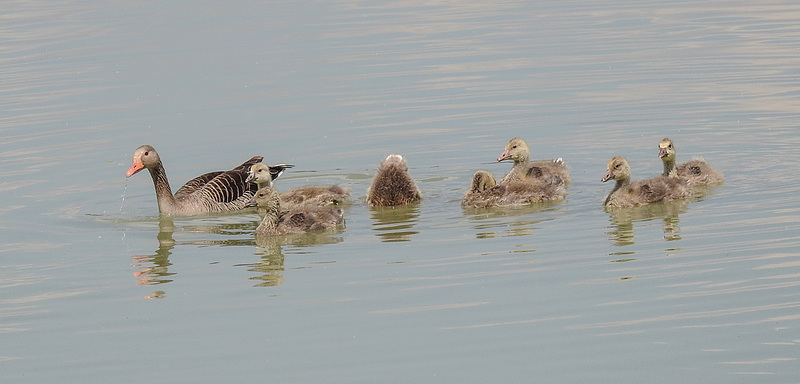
pixel 313 195
pixel 298 220
pixel 549 171
pixel 642 192
pixel 696 172
pixel 392 185
pixel 485 192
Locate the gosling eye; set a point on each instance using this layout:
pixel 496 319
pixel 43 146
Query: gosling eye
pixel 616 166
pixel 514 147
pixel 146 153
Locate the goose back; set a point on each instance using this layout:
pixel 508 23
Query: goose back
pixel 392 184
pixel 315 195
pixel 698 172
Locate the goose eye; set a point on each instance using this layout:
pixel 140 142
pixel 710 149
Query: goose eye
pixel 146 153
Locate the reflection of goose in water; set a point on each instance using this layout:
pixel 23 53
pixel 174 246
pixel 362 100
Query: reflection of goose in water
pixel 392 185
pixel 271 249
pixel 395 223
pixel 269 267
pixel 212 192
pixel 313 195
pixel 622 219
pixel 695 172
pixel 154 269
pixel 627 194
pixel 157 272
pixel 504 221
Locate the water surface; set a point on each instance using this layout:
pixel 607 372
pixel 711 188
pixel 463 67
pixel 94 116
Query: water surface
pixel 95 287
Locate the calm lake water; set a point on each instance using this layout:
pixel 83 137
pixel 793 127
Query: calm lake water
pixel 95 287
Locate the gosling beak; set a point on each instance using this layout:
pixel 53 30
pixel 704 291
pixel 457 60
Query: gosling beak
pixel 662 152
pixel 504 156
pixel 608 176
pixel 249 178
pixel 252 202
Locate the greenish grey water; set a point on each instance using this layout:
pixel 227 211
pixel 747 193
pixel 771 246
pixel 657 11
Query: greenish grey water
pixel 94 287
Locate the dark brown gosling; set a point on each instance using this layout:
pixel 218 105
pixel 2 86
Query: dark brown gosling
pixel 392 185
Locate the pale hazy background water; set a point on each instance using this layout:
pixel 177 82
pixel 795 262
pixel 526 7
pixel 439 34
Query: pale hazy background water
pixel 95 288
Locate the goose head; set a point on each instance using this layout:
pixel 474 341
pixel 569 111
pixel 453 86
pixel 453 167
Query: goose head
pixel 260 174
pixel 516 150
pixel 666 150
pixel 617 169
pixel 266 198
pixel 144 157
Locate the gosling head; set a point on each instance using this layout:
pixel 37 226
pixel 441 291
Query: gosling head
pixel 516 150
pixel 666 150
pixel 259 173
pixel 617 169
pixel 266 198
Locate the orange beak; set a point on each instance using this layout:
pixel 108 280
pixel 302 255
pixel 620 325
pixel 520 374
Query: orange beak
pixel 135 167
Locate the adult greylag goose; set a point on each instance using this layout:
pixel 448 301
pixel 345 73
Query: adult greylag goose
pixel 221 191
pixel 485 192
pixel 549 171
pixel 627 194
pixel 299 220
pixel 696 172
pixel 392 185
pixel 264 176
